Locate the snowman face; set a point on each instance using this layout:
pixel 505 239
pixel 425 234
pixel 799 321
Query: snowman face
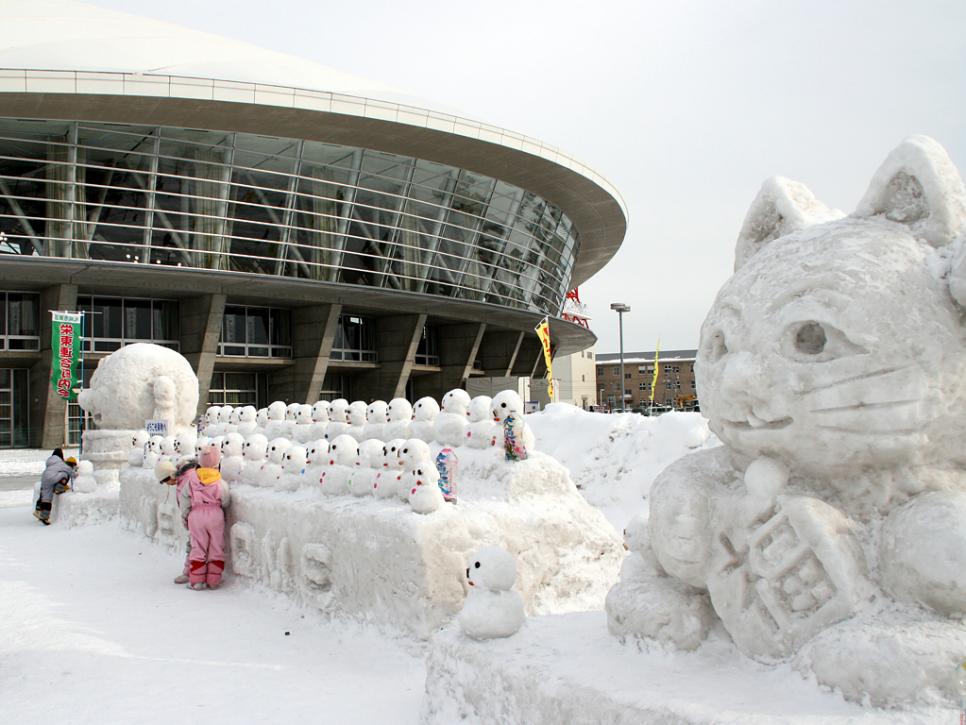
pixel 377 412
pixel 225 415
pixel 505 404
pixel 491 568
pixel 320 412
pixel 255 447
pixel 277 448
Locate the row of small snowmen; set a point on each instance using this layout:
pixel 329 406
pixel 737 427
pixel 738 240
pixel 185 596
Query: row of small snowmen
pixel 475 422
pixel 345 460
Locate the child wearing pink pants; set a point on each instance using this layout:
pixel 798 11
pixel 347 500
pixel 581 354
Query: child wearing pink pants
pixel 204 497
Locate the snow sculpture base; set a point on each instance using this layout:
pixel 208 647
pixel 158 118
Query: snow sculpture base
pixel 108 451
pixel 377 560
pixel 82 509
pixel 567 668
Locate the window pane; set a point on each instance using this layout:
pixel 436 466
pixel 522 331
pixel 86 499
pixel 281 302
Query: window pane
pixel 257 326
pixel 107 317
pixel 22 311
pixel 166 320
pixel 281 327
pixel 233 325
pixel 137 319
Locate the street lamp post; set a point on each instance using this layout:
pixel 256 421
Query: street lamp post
pixel 620 308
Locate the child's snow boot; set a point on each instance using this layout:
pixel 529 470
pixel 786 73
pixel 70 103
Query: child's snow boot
pixel 198 586
pixel 181 579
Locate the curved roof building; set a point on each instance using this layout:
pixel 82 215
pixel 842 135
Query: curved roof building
pixel 293 230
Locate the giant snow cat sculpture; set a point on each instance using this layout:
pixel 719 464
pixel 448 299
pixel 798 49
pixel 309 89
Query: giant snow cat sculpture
pixel 830 527
pixel 134 384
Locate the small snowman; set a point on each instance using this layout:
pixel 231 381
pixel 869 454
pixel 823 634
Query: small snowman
pixel 343 459
pixel 399 416
pixel 261 420
pixel 320 419
pixel 370 463
pixel 184 444
pixel 272 469
pixel 375 420
pixel 507 411
pixel 316 457
pixel 225 418
pixel 232 460
pixel 424 495
pixel 234 418
pixel 302 431
pixel 276 426
pixel 482 431
pixel 338 418
pixel 387 479
pixel 450 424
pixel 424 420
pixel 356 416
pixel 210 428
pixel 413 454
pixel 293 466
pixel 291 410
pixel 446 462
pixel 254 452
pixel 139 441
pixel 168 451
pixel 492 609
pixel 247 421
pixel 84 482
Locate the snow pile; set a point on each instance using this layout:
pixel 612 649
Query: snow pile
pixel 568 669
pixel 27 461
pixel 614 458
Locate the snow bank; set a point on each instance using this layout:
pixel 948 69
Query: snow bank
pixel 568 669
pixel 376 560
pixel 614 458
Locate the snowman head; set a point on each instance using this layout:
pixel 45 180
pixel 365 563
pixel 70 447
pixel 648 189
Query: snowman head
pixel 338 409
pixel 371 453
pixel 232 445
pixel 184 442
pixel 456 401
pixel 413 453
pixel 276 411
pixel 505 404
pixel 277 448
pixel 316 452
pixel 235 416
pixel 399 410
pixel 376 412
pixel 290 411
pixel 491 568
pixel 343 451
pixel 303 415
pixel 224 415
pixel 480 408
pixel 261 417
pixel 426 474
pixel 247 414
pixel 139 438
pixel 212 414
pixel 425 409
pixel 390 455
pixel 256 447
pixel 320 412
pixel 294 459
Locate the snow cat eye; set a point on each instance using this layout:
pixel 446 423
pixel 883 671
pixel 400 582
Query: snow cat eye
pixel 812 341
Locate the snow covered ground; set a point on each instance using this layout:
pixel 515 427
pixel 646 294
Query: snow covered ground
pixel 93 631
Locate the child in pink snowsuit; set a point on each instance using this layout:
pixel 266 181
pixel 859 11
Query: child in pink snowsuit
pixel 204 497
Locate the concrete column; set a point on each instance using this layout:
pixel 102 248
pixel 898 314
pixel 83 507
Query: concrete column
pixel 528 356
pixel 47 409
pixel 498 351
pixel 396 339
pixel 200 331
pixel 313 332
pixel 458 349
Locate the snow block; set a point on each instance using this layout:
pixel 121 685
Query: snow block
pixel 568 669
pixel 376 560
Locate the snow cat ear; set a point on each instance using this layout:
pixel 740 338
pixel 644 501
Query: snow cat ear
pixel 918 186
pixel 782 206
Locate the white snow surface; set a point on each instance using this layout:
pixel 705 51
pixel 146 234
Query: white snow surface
pixel 614 458
pixel 93 631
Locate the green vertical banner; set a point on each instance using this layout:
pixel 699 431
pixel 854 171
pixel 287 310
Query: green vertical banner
pixel 65 344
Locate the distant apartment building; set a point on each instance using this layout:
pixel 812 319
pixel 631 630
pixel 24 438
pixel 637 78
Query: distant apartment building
pixel 674 388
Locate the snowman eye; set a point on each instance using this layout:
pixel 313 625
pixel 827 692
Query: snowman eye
pixel 405 450
pixel 476 565
pixel 502 405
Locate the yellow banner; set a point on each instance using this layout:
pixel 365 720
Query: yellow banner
pixel 543 332
pixel 657 349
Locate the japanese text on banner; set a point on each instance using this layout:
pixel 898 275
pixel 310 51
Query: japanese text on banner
pixel 65 347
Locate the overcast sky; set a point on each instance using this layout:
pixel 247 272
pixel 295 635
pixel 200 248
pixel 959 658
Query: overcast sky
pixel 686 107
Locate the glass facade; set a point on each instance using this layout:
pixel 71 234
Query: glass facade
pixel 278 206
pixel 255 332
pixel 113 322
pixel 14 407
pixel 354 340
pixel 19 323
pixel 238 388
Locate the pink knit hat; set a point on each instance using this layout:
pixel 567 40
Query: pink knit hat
pixel 210 457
